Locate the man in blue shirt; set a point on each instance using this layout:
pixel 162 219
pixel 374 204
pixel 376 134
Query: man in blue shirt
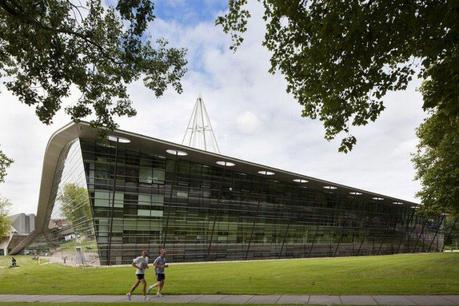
pixel 160 264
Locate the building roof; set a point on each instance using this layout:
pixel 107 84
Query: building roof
pixel 160 147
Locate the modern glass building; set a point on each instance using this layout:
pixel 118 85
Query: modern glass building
pixel 103 200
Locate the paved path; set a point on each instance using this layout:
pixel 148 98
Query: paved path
pixel 436 300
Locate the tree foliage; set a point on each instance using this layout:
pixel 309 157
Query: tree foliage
pixel 75 206
pixel 48 48
pixel 5 221
pixel 451 230
pixel 341 57
pixel 5 162
pixel 436 161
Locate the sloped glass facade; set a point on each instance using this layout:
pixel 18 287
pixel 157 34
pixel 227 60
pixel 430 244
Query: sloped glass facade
pixel 203 211
pixel 70 235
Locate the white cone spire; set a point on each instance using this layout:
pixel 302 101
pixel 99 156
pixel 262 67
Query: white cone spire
pixel 199 133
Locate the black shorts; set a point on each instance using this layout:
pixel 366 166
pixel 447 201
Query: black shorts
pixel 140 276
pixel 160 277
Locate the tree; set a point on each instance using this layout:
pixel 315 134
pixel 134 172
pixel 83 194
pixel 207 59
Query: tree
pixel 50 47
pixel 5 222
pixel 436 161
pixel 74 206
pixel 340 58
pixel 5 162
pixel 451 232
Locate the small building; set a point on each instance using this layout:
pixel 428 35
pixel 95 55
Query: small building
pixel 21 226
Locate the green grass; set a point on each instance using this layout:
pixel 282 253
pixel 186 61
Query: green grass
pixel 392 274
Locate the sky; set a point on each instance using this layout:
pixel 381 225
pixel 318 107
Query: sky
pixel 253 117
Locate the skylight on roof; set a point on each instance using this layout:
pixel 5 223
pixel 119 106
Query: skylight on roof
pixel 266 172
pixel 118 139
pixel 176 152
pixel 299 180
pixel 225 163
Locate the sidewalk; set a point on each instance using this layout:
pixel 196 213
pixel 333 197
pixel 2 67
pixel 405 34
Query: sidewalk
pixel 436 300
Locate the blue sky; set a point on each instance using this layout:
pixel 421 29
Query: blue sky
pixel 253 117
pixel 189 12
pixel 185 12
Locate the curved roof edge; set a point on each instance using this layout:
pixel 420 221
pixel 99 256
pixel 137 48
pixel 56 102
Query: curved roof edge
pixel 56 146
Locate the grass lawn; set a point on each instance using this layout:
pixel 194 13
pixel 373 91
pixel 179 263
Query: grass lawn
pixel 393 274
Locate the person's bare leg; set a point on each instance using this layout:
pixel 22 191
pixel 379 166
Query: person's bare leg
pixel 155 285
pixel 160 287
pixel 144 287
pixel 132 289
pixel 134 286
pixel 150 288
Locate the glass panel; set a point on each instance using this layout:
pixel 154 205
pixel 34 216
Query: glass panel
pixel 146 175
pixel 206 212
pixel 70 238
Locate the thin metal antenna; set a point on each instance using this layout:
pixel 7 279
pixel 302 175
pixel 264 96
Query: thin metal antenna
pixel 198 126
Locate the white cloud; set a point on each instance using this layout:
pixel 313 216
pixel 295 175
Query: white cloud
pixel 253 119
pixel 248 122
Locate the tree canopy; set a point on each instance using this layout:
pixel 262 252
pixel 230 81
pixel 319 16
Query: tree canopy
pixel 340 58
pixel 4 219
pixel 48 48
pixel 436 161
pixel 5 162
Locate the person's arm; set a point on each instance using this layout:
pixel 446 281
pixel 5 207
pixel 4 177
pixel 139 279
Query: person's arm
pixel 157 265
pixel 134 264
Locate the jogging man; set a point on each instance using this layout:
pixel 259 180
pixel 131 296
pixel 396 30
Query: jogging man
pixel 160 264
pixel 140 263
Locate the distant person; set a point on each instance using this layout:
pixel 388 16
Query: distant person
pixel 140 263
pixel 13 262
pixel 160 264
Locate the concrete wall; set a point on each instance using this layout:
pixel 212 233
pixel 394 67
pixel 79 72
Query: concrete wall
pixel 23 223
